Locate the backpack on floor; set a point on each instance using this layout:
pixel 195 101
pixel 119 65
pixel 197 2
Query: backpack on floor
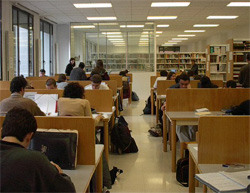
pixel 182 170
pixel 121 137
pixel 134 96
pixel 147 108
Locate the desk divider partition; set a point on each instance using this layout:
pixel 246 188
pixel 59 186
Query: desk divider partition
pixel 4 85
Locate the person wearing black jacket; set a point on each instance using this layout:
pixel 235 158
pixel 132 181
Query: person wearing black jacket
pixel 194 68
pixel 70 66
pixel 23 170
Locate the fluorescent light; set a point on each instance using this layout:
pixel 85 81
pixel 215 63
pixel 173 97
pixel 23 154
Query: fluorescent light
pixel 222 17
pixel 239 4
pixel 167 44
pixel 161 17
pixel 149 23
pixel 145 32
pixel 120 45
pixel 144 36
pixel 205 25
pixel 163 25
pixel 101 18
pixel 174 40
pixel 194 31
pixel 170 43
pixel 115 39
pixel 92 5
pixel 114 36
pixel 170 4
pixel 157 36
pixel 83 26
pixel 131 26
pixel 108 23
pixel 111 32
pixel 186 35
pixel 179 38
pixel 159 32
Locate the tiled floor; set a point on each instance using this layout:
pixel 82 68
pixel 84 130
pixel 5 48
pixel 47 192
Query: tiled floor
pixel 149 170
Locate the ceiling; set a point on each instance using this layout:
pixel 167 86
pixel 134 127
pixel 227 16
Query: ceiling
pixel 63 11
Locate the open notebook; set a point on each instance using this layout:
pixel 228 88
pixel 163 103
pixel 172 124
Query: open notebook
pixel 225 181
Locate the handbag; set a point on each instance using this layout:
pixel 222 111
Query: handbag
pixel 60 146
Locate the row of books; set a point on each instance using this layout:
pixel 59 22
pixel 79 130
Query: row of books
pixel 218 49
pixel 221 59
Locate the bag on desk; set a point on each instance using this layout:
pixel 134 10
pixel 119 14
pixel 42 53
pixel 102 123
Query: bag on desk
pixel 60 146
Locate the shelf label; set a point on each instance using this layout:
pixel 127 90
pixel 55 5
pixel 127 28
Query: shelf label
pixel 230 55
pixel 207 66
pixel 229 65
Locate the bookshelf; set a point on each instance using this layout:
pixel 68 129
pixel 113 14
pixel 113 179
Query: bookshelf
pixel 181 61
pixel 238 49
pixel 217 62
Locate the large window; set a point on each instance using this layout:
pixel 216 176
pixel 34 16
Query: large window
pixel 22 24
pixel 46 34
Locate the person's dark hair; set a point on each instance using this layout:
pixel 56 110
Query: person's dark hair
pixel 197 77
pixel 61 78
pixel 81 65
pixel 18 123
pixel 73 90
pixel 96 78
pixel 99 64
pixel 50 82
pixel 122 73
pixel 206 83
pixel 17 84
pixel 170 74
pixel 231 84
pixel 43 71
pixel 184 77
pixel 74 61
pixel 190 73
pixel 177 79
pixel 163 73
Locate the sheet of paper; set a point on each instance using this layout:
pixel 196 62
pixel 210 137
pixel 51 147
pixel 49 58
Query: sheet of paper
pixel 47 103
pixel 30 95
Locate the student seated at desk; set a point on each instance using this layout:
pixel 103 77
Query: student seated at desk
pixel 96 83
pixel 61 82
pixel 163 76
pixel 24 170
pixel 205 82
pixel 73 103
pixel 16 99
pixel 51 84
pixel 42 73
pixel 231 84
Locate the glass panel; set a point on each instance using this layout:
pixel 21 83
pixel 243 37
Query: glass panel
pixel 41 37
pixel 51 49
pixel 46 49
pixel 15 30
pixel 23 44
pixel 31 45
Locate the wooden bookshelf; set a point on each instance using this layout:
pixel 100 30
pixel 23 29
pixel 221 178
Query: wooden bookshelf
pixel 238 49
pixel 181 61
pixel 216 67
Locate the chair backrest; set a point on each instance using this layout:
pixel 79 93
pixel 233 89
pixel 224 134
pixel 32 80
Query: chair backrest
pixel 213 99
pixel 224 139
pixel 4 85
pixel 116 77
pixel 162 85
pixel 152 81
pixel 30 78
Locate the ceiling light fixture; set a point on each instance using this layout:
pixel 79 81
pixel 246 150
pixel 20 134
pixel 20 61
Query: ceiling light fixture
pixel 222 17
pixel 193 31
pixel 158 32
pixel 170 4
pixel 101 18
pixel 186 35
pixel 161 17
pixel 83 26
pixel 174 41
pixel 111 32
pixel 92 5
pixel 161 25
pixel 239 4
pixel 179 38
pixel 205 25
pixel 131 26
pixel 170 43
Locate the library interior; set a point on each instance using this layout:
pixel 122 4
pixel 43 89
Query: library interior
pixel 89 99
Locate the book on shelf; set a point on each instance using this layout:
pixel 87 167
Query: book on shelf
pixel 225 181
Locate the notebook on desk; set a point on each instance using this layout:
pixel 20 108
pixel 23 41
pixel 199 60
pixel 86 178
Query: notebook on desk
pixel 225 181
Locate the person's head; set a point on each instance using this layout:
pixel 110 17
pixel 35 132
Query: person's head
pixel 231 84
pixel 190 73
pixel 73 90
pixel 72 61
pixel 42 73
pixel 205 82
pixel 21 124
pixel 192 62
pixel 51 84
pixel 122 73
pixel 99 64
pixel 163 73
pixel 184 80
pixel 18 84
pixel 96 81
pixel 177 79
pixel 62 78
pixel 81 65
pixel 171 76
pixel 197 77
pixel 248 58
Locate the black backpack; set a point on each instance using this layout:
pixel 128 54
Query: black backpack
pixel 147 108
pixel 182 170
pixel 121 137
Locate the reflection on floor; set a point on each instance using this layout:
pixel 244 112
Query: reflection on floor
pixel 149 170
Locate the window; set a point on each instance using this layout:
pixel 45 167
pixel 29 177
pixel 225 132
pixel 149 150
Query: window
pixel 22 24
pixel 46 34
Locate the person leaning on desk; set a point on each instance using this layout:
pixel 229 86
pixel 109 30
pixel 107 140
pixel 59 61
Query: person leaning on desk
pixel 24 170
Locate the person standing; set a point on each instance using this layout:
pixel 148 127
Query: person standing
pixel 70 66
pixel 78 73
pixel 99 69
pixel 245 74
pixel 194 68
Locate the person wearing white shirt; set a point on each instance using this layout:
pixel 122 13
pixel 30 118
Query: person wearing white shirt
pixel 163 76
pixel 96 83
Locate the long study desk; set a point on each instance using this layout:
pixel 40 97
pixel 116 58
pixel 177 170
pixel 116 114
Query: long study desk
pixel 82 175
pixel 179 118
